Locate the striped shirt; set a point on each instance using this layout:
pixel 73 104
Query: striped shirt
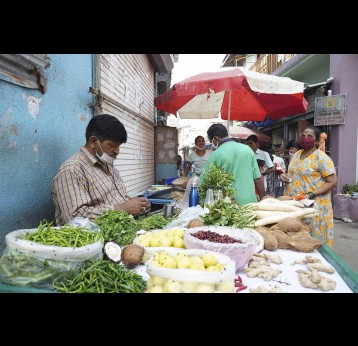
pixel 85 187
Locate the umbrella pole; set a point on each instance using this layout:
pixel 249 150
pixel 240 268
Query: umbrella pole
pixel 228 116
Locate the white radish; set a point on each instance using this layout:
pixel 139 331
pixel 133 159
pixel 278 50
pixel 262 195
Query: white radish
pixel 274 219
pixel 276 206
pixel 290 202
pixel 265 213
pixel 294 203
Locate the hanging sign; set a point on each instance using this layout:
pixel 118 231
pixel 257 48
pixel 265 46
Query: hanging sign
pixel 330 110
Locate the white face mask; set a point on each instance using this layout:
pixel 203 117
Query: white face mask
pixel 198 148
pixel 105 158
pixel 214 146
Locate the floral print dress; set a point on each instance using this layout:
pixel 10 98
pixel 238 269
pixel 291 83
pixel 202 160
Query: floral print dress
pixel 308 175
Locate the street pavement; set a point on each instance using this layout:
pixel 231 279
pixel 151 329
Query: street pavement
pixel 345 242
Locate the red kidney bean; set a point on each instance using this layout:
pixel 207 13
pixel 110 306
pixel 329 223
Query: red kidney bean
pixel 215 237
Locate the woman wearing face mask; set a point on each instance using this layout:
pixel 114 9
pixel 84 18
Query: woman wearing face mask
pixel 87 185
pixel 198 157
pixel 292 147
pixel 312 173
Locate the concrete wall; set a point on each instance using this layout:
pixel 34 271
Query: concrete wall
pixel 37 134
pixel 344 69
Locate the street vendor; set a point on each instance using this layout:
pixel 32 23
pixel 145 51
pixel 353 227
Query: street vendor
pixel 239 160
pixel 87 184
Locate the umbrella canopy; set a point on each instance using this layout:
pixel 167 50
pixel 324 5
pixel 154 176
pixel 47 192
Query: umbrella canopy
pixel 237 94
pixel 244 132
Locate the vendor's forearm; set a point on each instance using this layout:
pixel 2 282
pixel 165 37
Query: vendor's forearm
pixel 324 189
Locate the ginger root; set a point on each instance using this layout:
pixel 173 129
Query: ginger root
pixel 262 272
pixel 315 280
pixel 320 267
pixel 273 258
pixel 263 289
pixel 307 259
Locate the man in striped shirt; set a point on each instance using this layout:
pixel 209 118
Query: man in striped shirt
pixel 87 185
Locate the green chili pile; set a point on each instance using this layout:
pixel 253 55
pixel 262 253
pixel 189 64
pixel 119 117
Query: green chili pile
pixel 65 236
pixel 100 276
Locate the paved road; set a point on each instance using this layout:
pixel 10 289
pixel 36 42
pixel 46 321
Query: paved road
pixel 345 242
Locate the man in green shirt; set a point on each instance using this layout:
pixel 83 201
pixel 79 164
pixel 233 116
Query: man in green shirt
pixel 237 159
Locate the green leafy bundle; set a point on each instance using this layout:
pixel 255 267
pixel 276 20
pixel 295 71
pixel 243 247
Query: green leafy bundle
pixel 227 213
pixel 215 177
pixel 117 226
pixel 153 221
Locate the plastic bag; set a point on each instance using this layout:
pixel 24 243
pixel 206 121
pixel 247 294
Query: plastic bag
pixel 27 263
pixel 186 215
pixel 185 202
pixel 84 222
pixel 240 253
pixel 340 206
pixel 169 280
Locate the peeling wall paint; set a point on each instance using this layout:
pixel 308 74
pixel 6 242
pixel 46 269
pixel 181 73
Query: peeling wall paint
pixel 33 105
pixel 38 132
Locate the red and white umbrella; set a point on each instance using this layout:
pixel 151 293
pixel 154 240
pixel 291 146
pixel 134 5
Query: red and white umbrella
pixel 236 94
pixel 244 132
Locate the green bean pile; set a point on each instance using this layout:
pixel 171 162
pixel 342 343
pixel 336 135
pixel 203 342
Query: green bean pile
pixel 100 276
pixel 65 236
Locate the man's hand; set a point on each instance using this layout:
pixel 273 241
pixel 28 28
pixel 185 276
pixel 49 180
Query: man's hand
pixel 136 206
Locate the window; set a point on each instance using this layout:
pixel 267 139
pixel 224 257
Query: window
pixel 26 70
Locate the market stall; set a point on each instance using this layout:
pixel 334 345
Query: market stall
pixel 280 270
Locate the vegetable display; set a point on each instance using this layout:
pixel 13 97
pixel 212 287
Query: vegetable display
pixel 117 226
pixel 101 276
pixel 65 236
pixel 216 178
pixel 153 221
pixel 225 213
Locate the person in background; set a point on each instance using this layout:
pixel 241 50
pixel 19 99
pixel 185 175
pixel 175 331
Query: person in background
pixel 198 157
pixel 252 141
pixel 261 164
pixel 237 159
pixel 87 184
pixel 179 165
pixel 313 175
pixel 291 148
pixel 274 184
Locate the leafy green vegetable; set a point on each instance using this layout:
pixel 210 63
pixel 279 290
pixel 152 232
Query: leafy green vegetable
pixel 215 177
pixel 153 221
pixel 117 226
pixel 227 213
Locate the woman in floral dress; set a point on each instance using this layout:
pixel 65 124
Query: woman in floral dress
pixel 313 176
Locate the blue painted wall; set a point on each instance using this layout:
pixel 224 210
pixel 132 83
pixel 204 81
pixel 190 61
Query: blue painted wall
pixel 33 146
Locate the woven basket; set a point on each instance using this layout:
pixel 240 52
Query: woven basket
pixel 181 182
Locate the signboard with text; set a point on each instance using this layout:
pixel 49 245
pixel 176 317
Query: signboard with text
pixel 330 110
